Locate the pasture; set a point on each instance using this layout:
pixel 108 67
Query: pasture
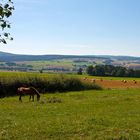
pixel 84 115
pixel 110 114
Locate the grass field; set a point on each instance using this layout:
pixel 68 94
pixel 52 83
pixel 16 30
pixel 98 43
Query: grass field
pixel 62 63
pixel 85 115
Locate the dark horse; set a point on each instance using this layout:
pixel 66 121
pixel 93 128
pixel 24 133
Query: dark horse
pixel 28 91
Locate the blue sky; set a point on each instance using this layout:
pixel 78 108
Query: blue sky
pixel 80 27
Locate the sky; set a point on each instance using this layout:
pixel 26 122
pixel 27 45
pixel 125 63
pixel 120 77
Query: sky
pixel 75 27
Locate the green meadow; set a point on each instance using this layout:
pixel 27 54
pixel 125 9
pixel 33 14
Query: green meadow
pixel 10 75
pixel 84 115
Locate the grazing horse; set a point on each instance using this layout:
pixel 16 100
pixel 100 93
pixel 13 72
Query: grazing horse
pixel 29 91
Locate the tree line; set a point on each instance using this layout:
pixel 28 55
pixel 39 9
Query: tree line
pixel 110 70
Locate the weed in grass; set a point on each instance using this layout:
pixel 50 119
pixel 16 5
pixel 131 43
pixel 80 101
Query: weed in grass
pixel 54 100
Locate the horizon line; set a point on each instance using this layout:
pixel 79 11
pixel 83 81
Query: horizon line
pixel 71 54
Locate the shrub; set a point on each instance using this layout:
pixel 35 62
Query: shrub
pixel 60 83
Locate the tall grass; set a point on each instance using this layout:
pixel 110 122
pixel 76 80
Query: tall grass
pixel 55 83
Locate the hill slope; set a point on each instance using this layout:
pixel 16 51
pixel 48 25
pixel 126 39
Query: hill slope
pixel 64 62
pixel 19 57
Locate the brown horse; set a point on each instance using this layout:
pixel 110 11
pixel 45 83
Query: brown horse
pixel 29 91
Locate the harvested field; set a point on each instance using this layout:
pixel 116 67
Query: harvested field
pixel 117 84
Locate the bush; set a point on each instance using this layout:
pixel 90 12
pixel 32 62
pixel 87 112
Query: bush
pixel 61 83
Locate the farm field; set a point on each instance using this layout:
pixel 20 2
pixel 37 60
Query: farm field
pixel 105 82
pixel 26 74
pixel 116 84
pixel 62 63
pixel 113 82
pixel 87 115
pixel 111 113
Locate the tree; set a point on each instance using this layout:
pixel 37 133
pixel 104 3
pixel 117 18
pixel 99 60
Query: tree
pixel 90 70
pixel 6 9
pixel 99 70
pixel 130 73
pixel 80 71
pixel 41 71
pixel 120 71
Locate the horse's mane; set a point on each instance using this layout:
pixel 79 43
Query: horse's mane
pixel 34 89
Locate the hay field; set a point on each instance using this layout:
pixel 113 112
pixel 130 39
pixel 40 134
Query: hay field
pixel 119 84
pixel 114 82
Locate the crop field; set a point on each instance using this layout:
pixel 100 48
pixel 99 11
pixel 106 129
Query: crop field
pixel 116 84
pixel 105 82
pixel 119 84
pixel 109 114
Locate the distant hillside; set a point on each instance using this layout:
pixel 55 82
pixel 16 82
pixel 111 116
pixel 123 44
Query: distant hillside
pixel 67 63
pixel 17 57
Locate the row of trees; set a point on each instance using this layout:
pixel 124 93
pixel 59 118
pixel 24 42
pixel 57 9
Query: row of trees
pixel 109 70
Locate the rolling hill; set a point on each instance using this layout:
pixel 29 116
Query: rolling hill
pixel 63 62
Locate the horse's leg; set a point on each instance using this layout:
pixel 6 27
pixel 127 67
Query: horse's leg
pixel 30 98
pixel 33 97
pixel 20 98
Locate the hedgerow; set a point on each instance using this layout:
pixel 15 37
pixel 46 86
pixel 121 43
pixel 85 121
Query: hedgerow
pixel 59 83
